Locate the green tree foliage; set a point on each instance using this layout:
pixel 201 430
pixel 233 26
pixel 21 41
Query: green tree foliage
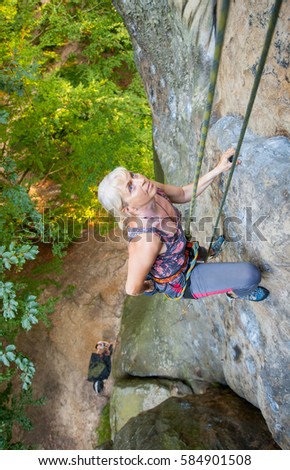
pixel 72 107
pixel 20 223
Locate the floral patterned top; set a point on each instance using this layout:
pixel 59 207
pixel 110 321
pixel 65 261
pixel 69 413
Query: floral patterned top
pixel 169 262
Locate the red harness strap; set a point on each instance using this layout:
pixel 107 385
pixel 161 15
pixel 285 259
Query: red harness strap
pixel 164 280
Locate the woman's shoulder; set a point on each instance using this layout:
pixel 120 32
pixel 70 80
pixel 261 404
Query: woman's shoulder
pixel 139 229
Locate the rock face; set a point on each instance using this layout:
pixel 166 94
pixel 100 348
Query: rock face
pixel 129 398
pixel 242 344
pixel 245 35
pixel 174 42
pixel 173 56
pixel 217 420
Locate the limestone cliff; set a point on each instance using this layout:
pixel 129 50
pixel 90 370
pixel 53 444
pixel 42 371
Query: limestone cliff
pixel 241 344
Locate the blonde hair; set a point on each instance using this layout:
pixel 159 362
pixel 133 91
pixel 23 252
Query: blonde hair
pixel 109 193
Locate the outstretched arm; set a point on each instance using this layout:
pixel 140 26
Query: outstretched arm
pixel 182 194
pixel 143 251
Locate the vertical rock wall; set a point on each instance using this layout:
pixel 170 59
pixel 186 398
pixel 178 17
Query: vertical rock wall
pixel 245 35
pixel 242 344
pixel 173 43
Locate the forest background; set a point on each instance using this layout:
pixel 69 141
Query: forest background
pixel 72 108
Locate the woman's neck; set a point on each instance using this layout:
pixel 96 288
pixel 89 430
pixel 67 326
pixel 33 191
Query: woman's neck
pixel 154 214
pixel 156 209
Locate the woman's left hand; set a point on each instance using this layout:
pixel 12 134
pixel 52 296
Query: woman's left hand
pixel 224 163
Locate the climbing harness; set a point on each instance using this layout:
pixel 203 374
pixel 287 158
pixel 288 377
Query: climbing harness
pixel 165 280
pixel 191 252
pixel 188 272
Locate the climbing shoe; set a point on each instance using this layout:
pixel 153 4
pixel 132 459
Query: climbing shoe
pixel 257 295
pixel 217 247
pixel 98 386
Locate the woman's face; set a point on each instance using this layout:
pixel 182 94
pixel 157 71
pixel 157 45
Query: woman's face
pixel 138 191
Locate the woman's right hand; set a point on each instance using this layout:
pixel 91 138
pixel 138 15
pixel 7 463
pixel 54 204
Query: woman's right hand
pixel 224 163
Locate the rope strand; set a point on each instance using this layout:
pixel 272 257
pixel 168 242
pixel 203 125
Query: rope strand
pixel 267 43
pixel 223 16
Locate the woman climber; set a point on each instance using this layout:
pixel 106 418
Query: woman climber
pixel 158 254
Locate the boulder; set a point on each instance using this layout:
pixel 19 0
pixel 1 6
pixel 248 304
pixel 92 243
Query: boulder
pixel 217 420
pixel 131 397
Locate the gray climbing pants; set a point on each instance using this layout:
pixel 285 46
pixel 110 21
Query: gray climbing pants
pixel 218 278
